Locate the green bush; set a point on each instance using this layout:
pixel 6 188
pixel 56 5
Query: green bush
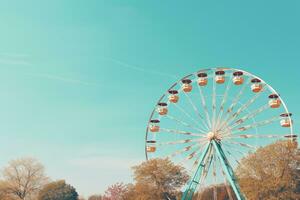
pixel 58 190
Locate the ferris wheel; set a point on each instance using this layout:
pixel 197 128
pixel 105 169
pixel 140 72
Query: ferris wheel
pixel 209 120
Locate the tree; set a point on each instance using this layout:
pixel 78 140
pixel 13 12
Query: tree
pixel 4 192
pixel 58 190
pixel 95 197
pixel 24 178
pixel 156 177
pixel 116 192
pixel 130 193
pixel 222 193
pixel 271 172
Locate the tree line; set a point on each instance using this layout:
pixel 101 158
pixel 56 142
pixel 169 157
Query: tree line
pixel 270 173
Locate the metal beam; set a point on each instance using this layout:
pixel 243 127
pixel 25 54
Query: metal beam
pixel 228 170
pixel 188 194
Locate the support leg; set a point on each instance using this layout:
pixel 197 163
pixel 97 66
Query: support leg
pixel 188 194
pixel 228 170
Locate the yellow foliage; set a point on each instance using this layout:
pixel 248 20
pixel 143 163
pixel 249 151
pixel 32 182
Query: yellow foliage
pixel 271 172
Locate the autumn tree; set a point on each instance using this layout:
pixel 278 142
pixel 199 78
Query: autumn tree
pixel 224 192
pixel 116 192
pixel 156 177
pixel 23 178
pixel 130 193
pixel 95 197
pixel 271 173
pixel 58 190
pixel 4 192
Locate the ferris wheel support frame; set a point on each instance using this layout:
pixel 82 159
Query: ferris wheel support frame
pixel 189 192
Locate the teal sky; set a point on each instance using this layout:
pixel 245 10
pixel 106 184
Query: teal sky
pixel 78 79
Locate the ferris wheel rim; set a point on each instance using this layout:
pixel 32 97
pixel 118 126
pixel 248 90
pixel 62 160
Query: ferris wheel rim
pixel 246 73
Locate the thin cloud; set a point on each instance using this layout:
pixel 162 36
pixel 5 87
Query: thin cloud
pixel 64 79
pixel 13 59
pixel 104 163
pixel 13 62
pixel 14 55
pixel 18 59
pixel 140 69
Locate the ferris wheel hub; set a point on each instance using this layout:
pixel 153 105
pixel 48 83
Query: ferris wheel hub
pixel 214 136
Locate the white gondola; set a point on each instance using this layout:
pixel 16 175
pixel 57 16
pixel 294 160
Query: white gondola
pixel 274 101
pixel 256 85
pixel 238 78
pixel 220 77
pixel 162 108
pixel 173 97
pixel 154 125
pixel 286 120
pixel 186 85
pixel 202 79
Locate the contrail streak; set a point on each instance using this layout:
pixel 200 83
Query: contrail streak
pixel 140 69
pixel 13 59
pixel 6 61
pixel 60 78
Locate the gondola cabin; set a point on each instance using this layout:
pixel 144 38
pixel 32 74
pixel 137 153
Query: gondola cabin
pixel 162 108
pixel 274 101
pixel 220 77
pixel 291 137
pixel 186 85
pixel 151 149
pixel 173 97
pixel 256 85
pixel 238 78
pixel 202 79
pixel 154 125
pixel 286 120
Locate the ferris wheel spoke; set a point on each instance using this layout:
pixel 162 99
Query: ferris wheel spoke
pixel 220 114
pixel 191 155
pixel 195 153
pixel 180 141
pixel 183 150
pixel 238 97
pixel 233 157
pixel 248 146
pixel 235 102
pixel 249 116
pixel 241 109
pixel 235 149
pixel 203 103
pixel 247 136
pixel 181 132
pixel 190 117
pixel 196 111
pixel 255 125
pixel 184 123
pixel 214 106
